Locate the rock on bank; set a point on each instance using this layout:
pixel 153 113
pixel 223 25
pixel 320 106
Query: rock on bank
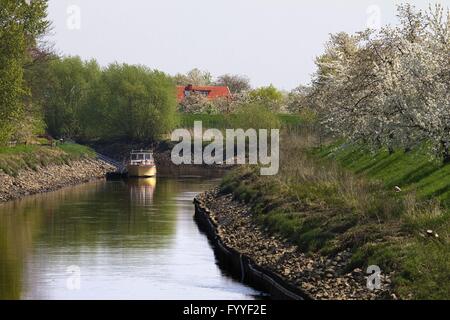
pixel 319 277
pixel 51 177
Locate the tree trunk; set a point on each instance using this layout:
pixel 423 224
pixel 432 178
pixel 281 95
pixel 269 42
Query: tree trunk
pixel 446 155
pixel 391 150
pixel 390 147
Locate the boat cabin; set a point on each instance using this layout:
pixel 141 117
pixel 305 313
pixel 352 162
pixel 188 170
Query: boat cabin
pixel 141 157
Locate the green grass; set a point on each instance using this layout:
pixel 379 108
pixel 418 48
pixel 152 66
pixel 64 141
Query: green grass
pixel 77 150
pixel 18 149
pixel 24 157
pixel 414 171
pixel 342 196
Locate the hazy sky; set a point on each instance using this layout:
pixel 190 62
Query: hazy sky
pixel 270 41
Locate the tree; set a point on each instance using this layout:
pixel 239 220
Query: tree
pixel 21 24
pixel 236 83
pixel 195 77
pixel 390 88
pixel 197 103
pixel 298 99
pixel 37 79
pixel 269 97
pixel 70 82
pixel 85 102
pixel 137 103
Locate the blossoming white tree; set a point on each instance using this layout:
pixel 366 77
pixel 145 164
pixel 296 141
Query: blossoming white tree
pixel 390 88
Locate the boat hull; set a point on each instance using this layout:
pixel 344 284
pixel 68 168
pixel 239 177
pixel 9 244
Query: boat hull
pixel 141 170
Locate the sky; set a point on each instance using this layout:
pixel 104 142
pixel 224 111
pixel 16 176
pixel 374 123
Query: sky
pixel 270 41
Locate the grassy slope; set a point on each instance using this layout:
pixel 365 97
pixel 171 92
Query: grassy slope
pixel 321 206
pixel 417 174
pixel 14 159
pixel 413 171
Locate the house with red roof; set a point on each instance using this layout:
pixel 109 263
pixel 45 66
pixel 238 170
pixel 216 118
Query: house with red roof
pixel 210 92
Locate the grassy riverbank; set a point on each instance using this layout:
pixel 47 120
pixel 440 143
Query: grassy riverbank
pixel 413 171
pixel 335 197
pixel 23 157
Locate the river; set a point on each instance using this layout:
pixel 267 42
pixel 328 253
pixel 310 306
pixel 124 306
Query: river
pixel 131 239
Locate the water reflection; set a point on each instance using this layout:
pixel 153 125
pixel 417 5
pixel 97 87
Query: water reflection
pixel 131 239
pixel 141 190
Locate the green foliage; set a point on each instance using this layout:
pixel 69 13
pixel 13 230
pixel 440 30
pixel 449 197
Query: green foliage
pixel 255 116
pixel 28 129
pixel 21 24
pixel 70 84
pixel 36 75
pixel 139 104
pixel 129 102
pixel 269 97
pixel 11 88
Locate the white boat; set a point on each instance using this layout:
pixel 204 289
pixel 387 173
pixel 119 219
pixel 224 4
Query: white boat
pixel 141 164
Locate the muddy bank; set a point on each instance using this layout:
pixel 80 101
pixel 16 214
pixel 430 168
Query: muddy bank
pixel 316 276
pixel 51 177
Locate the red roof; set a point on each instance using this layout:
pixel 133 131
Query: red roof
pixel 212 92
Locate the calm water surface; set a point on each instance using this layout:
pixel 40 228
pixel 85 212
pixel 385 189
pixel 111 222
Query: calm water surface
pixel 111 240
